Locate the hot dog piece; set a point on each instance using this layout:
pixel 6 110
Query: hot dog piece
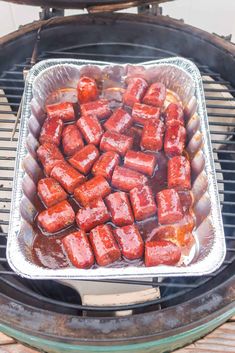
pixel 78 249
pixel 84 159
pixel 152 136
pixel 67 176
pixel 140 161
pixel 104 245
pixel 51 131
pixel 126 179
pixel 175 138
pixel 135 91
pixel 49 155
pixel 113 141
pixel 143 112
pixel 169 207
pixel 130 242
pixel 99 108
pixel 71 139
pixel 87 90
pixel 50 192
pixel 105 164
pixel 161 252
pixel 63 111
pixel 56 217
pixel 179 173
pixel 142 202
pixel 119 121
pixel 90 128
pixel 120 208
pixel 93 215
pixel 92 189
pixel 155 95
pixel 174 114
pixel 135 132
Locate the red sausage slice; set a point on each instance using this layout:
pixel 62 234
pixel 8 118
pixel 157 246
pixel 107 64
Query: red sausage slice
pixel 169 207
pixel 140 161
pixel 175 138
pixel 51 131
pixel 143 112
pixel 67 176
pixel 87 90
pixel 78 249
pixel 104 245
pixel 50 192
pixel 99 108
pixel 126 179
pixel 174 114
pixel 130 242
pixel 93 215
pixel 155 95
pixel 120 208
pixel 105 164
pixel 161 252
pixel 63 111
pixel 119 121
pixel 152 136
pixel 179 173
pixel 90 128
pixel 142 202
pixel 49 155
pixel 56 217
pixel 84 159
pixel 135 91
pixel 113 141
pixel 91 190
pixel 71 139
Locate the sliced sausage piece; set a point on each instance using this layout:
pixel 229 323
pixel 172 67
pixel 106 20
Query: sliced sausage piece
pixel 120 208
pixel 130 242
pixel 99 108
pixel 113 141
pixel 179 173
pixel 169 206
pixel 84 159
pixel 71 139
pixel 155 95
pixel 94 188
pixel 135 91
pixel 135 132
pixel 87 90
pixel 175 138
pixel 78 249
pixel 140 161
pixel 105 164
pixel 63 111
pixel 51 131
pixel 142 202
pixel 161 252
pixel 174 114
pixel 50 192
pixel 57 217
pixel 143 112
pixel 49 155
pixel 90 128
pixel 126 179
pixel 119 121
pixel 67 176
pixel 104 245
pixel 93 215
pixel 152 136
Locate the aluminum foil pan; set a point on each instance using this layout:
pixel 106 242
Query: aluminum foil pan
pixel 179 75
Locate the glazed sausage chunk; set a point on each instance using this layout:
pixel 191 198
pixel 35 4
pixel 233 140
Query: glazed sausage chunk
pixel 120 208
pixel 99 108
pixel 87 90
pixel 142 202
pixel 105 164
pixel 84 159
pixel 161 252
pixel 63 111
pixel 51 131
pixel 130 242
pixel 49 155
pixel 135 91
pixel 92 189
pixel 67 176
pixel 57 217
pixel 90 128
pixel 113 141
pixel 78 249
pixel 104 245
pixel 50 192
pixel 169 206
pixel 140 161
pixel 119 121
pixel 93 215
pixel 126 179
pixel 72 140
pixel 143 112
pixel 155 95
pixel 152 136
pixel 175 138
pixel 179 173
pixel 174 114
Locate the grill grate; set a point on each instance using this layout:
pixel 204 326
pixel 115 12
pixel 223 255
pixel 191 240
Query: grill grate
pixel 221 112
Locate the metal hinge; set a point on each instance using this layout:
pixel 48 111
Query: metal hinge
pixel 48 13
